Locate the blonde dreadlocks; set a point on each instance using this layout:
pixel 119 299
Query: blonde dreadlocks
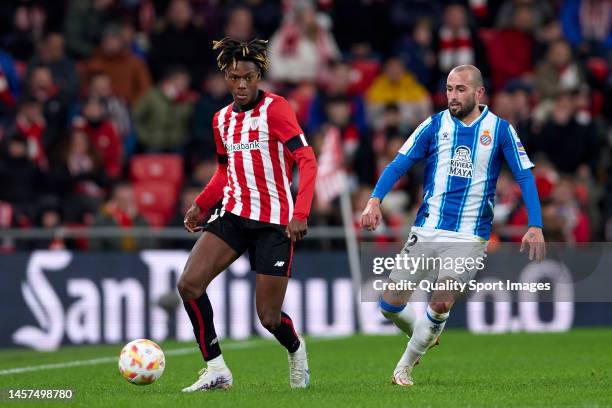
pixel 233 51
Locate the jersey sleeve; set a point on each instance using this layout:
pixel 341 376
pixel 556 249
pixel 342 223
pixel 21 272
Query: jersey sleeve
pixel 514 151
pixel 412 151
pixel 520 165
pixel 221 152
pixel 417 144
pixel 282 122
pixel 283 125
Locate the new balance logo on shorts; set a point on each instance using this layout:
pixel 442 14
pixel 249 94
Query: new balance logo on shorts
pixel 279 263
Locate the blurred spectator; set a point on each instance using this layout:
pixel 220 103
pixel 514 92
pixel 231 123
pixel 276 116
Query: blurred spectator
pixel 576 227
pixel 338 114
pixel 404 14
pixel 78 177
pixel 49 215
pixel 266 16
pixel 162 115
pixel 558 72
pixel 302 47
pixel 339 85
pixel 50 53
pixel 9 87
pixel 31 124
pixel 365 66
pixel 43 89
pixel 540 11
pixel 587 25
pixel 100 87
pixel 213 99
pixel 203 172
pixel 569 140
pixel 188 196
pixel 545 35
pixel 239 24
pixel 22 180
pixel 398 86
pixel 518 111
pixel 137 43
pixel 83 25
pixel 457 43
pixel 179 40
pixel 129 75
pixel 103 136
pixel 391 127
pixel 121 211
pixel 357 22
pixel 511 48
pixel 29 23
pixel 416 51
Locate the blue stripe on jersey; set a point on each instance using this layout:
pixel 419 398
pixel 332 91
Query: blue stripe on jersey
pixel 469 186
pixel 516 152
pixel 483 225
pixel 428 185
pixel 448 178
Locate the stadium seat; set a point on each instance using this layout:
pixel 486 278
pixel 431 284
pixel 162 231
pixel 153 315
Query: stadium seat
pixel 156 201
pixel 157 167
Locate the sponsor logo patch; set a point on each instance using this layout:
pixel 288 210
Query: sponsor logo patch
pixel 237 147
pixel 461 164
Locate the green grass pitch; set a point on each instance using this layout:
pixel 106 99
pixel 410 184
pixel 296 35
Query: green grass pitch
pixel 561 369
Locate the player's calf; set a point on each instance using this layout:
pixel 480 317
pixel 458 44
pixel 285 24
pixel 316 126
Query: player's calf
pixel 402 315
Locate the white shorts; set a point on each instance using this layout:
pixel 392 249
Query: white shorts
pixel 434 254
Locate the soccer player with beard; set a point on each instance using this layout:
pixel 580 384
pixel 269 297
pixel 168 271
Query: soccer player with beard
pixel 258 141
pixel 464 147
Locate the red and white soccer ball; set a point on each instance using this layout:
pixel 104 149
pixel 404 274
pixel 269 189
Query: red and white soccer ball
pixel 141 362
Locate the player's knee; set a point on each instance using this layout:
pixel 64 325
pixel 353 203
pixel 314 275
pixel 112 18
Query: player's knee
pixel 388 309
pixel 188 290
pixel 271 321
pixel 441 307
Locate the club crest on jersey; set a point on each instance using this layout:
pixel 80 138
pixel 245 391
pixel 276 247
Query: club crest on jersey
pixel 461 164
pixel 485 138
pixel 255 123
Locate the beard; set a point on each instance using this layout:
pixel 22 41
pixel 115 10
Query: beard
pixel 462 110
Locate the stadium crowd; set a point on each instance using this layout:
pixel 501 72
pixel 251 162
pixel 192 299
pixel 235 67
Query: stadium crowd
pixel 106 105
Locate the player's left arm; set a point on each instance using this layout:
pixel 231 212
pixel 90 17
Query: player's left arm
pixel 284 123
pixel 520 165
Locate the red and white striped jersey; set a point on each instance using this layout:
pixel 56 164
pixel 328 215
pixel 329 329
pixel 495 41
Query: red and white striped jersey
pixel 259 144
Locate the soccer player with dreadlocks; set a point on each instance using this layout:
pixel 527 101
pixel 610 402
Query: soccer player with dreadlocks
pixel 258 141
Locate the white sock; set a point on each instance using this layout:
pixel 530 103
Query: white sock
pixel 427 329
pixel 403 317
pixel 217 363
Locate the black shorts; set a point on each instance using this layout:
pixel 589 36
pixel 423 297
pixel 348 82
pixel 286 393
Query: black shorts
pixel 270 251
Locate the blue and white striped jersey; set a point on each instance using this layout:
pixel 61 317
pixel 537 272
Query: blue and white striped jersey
pixel 462 166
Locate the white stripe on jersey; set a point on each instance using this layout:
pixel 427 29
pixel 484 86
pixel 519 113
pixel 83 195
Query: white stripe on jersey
pixel 232 166
pixel 303 139
pixel 267 164
pixel 220 121
pixel 476 188
pixel 247 162
pixel 444 149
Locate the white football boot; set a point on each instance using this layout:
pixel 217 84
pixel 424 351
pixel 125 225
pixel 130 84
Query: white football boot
pixel 211 379
pixel 299 375
pixel 402 377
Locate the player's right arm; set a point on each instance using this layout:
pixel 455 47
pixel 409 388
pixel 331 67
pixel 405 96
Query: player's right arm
pixel 412 151
pixel 213 192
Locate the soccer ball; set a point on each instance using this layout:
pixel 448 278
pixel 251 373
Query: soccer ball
pixel 141 362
